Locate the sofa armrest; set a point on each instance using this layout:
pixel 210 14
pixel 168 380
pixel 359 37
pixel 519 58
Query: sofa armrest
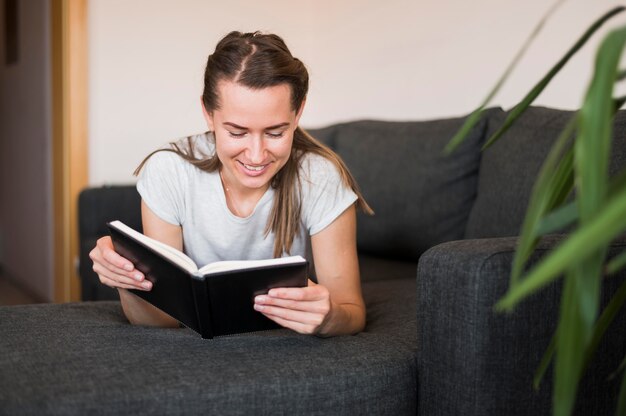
pixel 475 361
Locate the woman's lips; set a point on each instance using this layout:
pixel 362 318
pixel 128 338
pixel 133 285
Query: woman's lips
pixel 253 170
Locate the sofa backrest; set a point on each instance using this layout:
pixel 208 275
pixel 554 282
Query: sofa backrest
pixel 509 168
pixel 96 207
pixel 420 196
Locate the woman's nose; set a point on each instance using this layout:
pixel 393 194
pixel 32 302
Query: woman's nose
pixel 256 149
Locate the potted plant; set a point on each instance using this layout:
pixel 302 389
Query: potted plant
pixel 596 214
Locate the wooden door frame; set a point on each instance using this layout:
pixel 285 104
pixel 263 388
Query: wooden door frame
pixel 69 138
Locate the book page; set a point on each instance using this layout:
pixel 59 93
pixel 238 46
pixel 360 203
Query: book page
pixel 228 265
pixel 176 256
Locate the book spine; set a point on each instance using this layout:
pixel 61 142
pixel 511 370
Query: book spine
pixel 202 306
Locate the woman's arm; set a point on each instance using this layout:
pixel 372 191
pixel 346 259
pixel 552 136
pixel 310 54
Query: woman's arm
pixel 137 310
pixel 117 272
pixel 334 306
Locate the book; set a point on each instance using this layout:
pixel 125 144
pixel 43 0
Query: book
pixel 216 299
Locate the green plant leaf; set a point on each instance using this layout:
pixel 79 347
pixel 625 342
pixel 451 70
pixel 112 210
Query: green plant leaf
pixel 558 219
pixel 475 116
pixel 591 158
pixel 519 109
pixel 616 264
pixel 621 401
pixel 570 346
pixel 592 148
pixel 591 155
pixel 574 334
pixel 567 214
pixel 554 182
pixel 588 238
pixel 602 325
pixel 620 368
pixel 545 362
pixel 609 313
pixel 469 124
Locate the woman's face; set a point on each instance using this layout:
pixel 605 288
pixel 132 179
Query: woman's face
pixel 253 133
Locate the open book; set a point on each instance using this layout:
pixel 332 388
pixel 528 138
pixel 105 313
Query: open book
pixel 216 299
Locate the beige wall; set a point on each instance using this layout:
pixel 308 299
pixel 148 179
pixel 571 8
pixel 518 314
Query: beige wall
pixel 394 59
pixel 25 154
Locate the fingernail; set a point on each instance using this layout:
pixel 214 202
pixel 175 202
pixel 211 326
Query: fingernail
pixel 260 299
pixel 258 307
pixel 128 267
pixel 138 277
pixel 146 284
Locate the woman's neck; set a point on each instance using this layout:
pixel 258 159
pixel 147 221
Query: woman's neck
pixel 241 202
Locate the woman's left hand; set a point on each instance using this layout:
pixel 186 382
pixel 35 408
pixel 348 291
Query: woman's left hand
pixel 303 309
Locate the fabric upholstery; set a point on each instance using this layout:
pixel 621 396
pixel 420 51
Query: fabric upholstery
pixel 421 197
pixel 84 358
pixel 474 361
pixel 380 268
pixel 508 169
pixel 446 352
pixel 96 207
pixel 325 135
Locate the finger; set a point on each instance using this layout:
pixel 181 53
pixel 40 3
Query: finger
pixel 135 274
pixel 117 274
pixel 306 318
pixel 104 255
pixel 296 326
pixel 109 278
pixel 310 293
pixel 321 307
pixel 120 279
pixel 105 245
pixel 114 284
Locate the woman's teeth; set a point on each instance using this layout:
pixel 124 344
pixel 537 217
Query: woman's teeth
pixel 254 168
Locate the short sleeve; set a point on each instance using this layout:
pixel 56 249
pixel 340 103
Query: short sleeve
pixel 162 185
pixel 324 194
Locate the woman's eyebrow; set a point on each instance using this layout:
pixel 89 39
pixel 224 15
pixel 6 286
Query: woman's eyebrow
pixel 228 123
pixel 277 126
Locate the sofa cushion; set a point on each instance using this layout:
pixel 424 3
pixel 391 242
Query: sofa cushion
pixel 383 268
pixel 84 358
pixel 421 197
pixel 325 135
pixel 508 169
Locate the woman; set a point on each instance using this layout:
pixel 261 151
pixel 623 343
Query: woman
pixel 255 186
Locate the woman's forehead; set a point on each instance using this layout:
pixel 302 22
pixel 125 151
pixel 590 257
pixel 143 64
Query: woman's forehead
pixel 247 107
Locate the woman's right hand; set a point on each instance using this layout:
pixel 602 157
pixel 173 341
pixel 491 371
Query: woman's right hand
pixel 114 270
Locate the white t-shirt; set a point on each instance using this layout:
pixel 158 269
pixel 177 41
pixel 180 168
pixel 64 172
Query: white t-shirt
pixel 181 194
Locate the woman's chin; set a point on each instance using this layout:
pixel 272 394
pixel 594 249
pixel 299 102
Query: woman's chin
pixel 255 181
pixel 252 178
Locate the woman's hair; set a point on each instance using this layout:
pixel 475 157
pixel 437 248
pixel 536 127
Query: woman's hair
pixel 257 61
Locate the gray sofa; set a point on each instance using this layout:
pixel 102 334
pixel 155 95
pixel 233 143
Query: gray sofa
pixel 434 260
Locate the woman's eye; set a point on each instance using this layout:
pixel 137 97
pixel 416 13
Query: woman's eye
pixel 275 135
pixel 236 135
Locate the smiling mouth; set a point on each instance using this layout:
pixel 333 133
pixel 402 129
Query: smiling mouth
pixel 254 168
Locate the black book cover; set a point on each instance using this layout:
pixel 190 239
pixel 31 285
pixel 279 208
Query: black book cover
pixel 215 304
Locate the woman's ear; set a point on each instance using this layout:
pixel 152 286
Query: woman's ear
pixel 207 117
